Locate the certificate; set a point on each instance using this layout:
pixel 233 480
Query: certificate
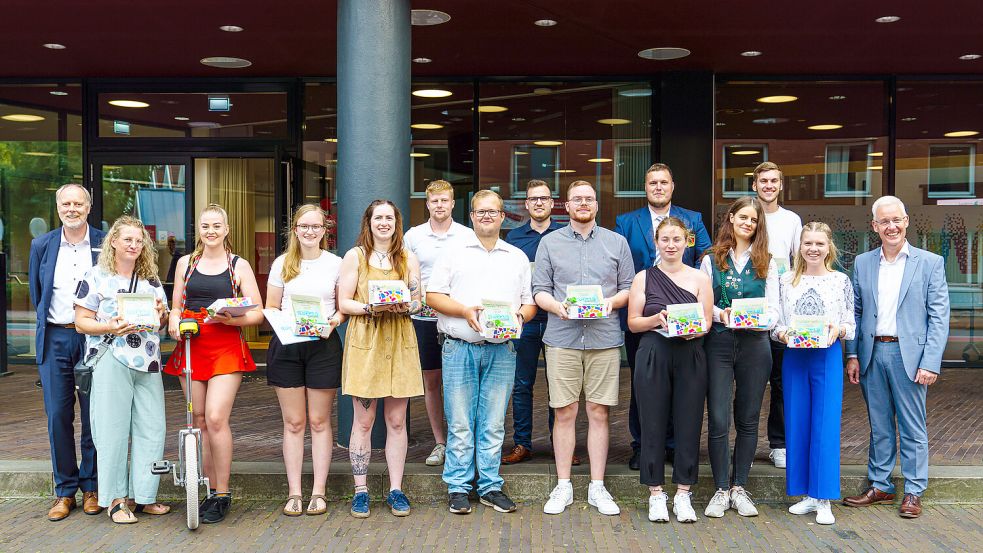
pixel 309 319
pixel 139 310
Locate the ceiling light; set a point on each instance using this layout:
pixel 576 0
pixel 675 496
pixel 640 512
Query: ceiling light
pixel 876 167
pixel 432 93
pixel 600 159
pixel 958 134
pixel 751 54
pixel 422 60
pixel 22 117
pixel 419 154
pixel 58 93
pixel 825 127
pixel 226 62
pixel 129 104
pixel 428 17
pixel 54 46
pixel 548 143
pixel 521 153
pixel 875 154
pixel 748 174
pixel 331 140
pixel 231 28
pixel 426 126
pixel 777 99
pixel 837 97
pixel 969 57
pixel 746 152
pixel 635 92
pixel 614 121
pixel 545 22
pixel 564 171
pixel 770 120
pixel 518 119
pixel 38 154
pixel 888 19
pixel 542 90
pixel 721 124
pixel 662 54
pixel 492 109
pixel 181 118
pixel 908 119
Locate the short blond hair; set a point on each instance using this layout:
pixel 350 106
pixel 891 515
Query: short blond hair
pixel 536 183
pixel 438 186
pixel 577 183
pixel 767 166
pixel 482 194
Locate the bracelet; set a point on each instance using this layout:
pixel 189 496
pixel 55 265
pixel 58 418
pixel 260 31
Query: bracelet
pixel 368 310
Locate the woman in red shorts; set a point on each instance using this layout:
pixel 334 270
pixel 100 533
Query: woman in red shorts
pixel 219 354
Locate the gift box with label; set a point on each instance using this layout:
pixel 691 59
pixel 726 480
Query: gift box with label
pixel 498 321
pixel 806 332
pixel 749 313
pixel 685 319
pixel 388 292
pixel 585 302
pixel 309 319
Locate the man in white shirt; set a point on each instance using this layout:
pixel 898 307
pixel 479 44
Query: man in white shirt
pixel 429 241
pixel 59 260
pixel 784 231
pixel 479 371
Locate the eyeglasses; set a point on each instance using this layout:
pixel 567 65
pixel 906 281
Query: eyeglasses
pixel 538 199
pixel 132 241
pixel 310 228
pixel 482 213
pixel 584 201
pixel 896 221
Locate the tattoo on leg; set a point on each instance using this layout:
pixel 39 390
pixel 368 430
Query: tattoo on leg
pixel 360 461
pixel 366 402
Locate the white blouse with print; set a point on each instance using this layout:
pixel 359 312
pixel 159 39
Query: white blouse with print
pixel 829 295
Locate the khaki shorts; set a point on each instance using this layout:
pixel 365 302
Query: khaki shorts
pixel 593 371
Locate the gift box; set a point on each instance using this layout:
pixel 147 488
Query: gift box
pixel 498 321
pixel 388 292
pixel 749 313
pixel 585 302
pixel 309 319
pixel 684 319
pixel 807 332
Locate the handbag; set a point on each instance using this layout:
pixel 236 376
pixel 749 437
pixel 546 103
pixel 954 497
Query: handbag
pixel 84 368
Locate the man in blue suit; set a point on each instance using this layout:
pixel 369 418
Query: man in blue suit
pixel 59 261
pixel 901 302
pixel 638 228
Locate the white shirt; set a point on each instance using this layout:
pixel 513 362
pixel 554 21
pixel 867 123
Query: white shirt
pixel 74 260
pixel 656 219
pixel 469 273
pixel 429 246
pixel 318 278
pixel 771 282
pixel 784 231
pixel 829 296
pixel 889 276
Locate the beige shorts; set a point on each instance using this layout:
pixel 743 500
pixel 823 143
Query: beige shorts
pixel 593 371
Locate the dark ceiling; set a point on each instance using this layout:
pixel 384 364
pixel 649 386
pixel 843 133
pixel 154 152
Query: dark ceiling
pixel 156 38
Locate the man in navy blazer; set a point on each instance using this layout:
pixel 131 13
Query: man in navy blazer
pixel 901 302
pixel 59 261
pixel 638 228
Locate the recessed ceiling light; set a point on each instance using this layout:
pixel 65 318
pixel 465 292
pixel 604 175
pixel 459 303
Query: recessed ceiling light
pixel 331 140
pixel 635 92
pixel 888 19
pixel 428 17
pixel 969 57
pixel 837 97
pixel 58 93
pixel 432 93
pixel 746 152
pixel 780 99
pixel 426 126
pixel 422 60
pixel 22 117
pixel 129 104
pixel 957 134
pixel 492 109
pixel 548 143
pixel 518 119
pixel 419 154
pixel 770 120
pixel 181 118
pixel 876 167
pixel 521 153
pixel 545 22
pixel 748 174
pixel 600 159
pixel 875 154
pixel 231 28
pixel 564 171
pixel 721 124
pixel 751 54
pixel 825 127
pixel 614 121
pixel 54 46
pixel 226 62
pixel 909 119
pixel 666 53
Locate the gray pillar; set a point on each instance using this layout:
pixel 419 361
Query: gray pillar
pixel 373 131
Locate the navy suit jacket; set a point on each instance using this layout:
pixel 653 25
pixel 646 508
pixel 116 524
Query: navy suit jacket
pixel 44 254
pixel 636 227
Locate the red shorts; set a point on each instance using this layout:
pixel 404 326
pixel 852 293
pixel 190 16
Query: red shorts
pixel 217 349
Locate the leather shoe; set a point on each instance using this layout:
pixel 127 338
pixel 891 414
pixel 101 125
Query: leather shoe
pixel 911 506
pixel 61 509
pixel 575 461
pixel 90 503
pixel 519 454
pixel 635 462
pixel 872 496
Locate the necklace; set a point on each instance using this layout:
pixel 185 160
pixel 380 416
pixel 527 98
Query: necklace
pixel 381 256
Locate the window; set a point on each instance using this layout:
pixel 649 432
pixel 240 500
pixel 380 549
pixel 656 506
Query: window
pixel 534 162
pixel 631 159
pixel 739 161
pixel 848 169
pixel 951 170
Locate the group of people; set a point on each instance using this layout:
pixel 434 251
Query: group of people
pixel 890 319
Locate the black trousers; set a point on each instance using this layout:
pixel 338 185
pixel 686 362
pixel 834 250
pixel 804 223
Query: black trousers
pixel 632 341
pixel 738 367
pixel 671 380
pixel 776 413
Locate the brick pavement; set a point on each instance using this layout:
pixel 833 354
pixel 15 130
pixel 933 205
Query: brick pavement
pixel 954 419
pixel 259 527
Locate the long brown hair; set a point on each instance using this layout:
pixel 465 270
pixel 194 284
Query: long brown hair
pixel 799 264
pixel 726 241
pixel 365 241
pixel 291 259
pixel 146 264
pixel 199 246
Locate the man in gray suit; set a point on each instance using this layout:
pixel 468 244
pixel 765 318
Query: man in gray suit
pixel 902 310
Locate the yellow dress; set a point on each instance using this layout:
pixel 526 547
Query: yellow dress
pixel 381 357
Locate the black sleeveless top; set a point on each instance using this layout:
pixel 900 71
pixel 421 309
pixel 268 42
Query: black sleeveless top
pixel 661 291
pixel 203 290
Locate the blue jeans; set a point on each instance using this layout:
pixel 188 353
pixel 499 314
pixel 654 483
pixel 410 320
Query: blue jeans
pixel 477 384
pixel 527 351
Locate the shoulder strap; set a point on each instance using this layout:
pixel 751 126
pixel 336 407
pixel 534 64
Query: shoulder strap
pixel 232 275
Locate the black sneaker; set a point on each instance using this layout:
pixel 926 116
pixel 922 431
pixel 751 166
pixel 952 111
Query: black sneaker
pixel 219 508
pixel 498 501
pixel 458 503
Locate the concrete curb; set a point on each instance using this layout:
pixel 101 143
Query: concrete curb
pixel 523 482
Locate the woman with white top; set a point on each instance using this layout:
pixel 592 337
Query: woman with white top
pixel 306 375
pixel 813 378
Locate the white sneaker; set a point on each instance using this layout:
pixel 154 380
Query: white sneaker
pixel 658 512
pixel 740 500
pixel 560 498
pixel 598 496
pixel 682 507
pixel 436 457
pixel 777 457
pixel 804 507
pixel 719 504
pixel 824 514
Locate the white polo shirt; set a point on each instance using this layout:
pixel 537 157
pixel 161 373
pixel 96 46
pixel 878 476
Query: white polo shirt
pixel 73 262
pixel 429 246
pixel 469 273
pixel 889 276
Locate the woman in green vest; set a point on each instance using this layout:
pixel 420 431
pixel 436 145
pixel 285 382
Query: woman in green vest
pixel 738 359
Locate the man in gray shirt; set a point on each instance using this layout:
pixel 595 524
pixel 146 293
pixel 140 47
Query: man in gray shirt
pixel 586 353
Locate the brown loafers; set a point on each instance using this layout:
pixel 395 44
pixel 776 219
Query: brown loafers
pixel 911 506
pixel 519 454
pixel 61 509
pixel 872 496
pixel 90 503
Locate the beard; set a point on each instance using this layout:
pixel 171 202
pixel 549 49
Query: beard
pixel 659 204
pixel 545 215
pixel 73 225
pixel 582 217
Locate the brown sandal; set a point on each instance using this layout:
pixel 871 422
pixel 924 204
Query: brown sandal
pixel 150 508
pixel 294 506
pixel 128 516
pixel 312 507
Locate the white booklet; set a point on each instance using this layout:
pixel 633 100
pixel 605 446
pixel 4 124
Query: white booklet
pixel 283 325
pixel 139 310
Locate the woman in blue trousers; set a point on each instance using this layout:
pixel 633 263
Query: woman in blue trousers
pixel 813 377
